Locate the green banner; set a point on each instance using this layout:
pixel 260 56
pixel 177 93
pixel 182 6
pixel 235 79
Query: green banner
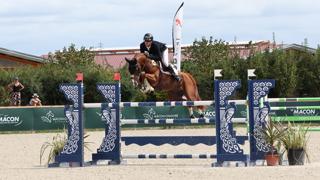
pixel 17 119
pixel 296 103
pixel 47 118
pixel 296 112
pixel 52 117
pixel 298 118
pixel 92 118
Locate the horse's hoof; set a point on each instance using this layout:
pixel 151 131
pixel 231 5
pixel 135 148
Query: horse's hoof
pixel 150 93
pixel 192 116
pixel 184 98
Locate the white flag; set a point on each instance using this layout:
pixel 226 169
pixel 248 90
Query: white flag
pixel 176 37
pixel 217 73
pixel 251 73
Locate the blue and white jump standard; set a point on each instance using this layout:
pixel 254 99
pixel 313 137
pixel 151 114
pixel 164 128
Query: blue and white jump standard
pixel 258 115
pixel 110 147
pixel 228 148
pixel 72 153
pixel 228 144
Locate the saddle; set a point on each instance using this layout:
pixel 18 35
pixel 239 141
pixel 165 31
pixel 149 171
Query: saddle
pixel 162 68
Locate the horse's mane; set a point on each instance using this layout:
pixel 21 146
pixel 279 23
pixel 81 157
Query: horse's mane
pixel 140 55
pixel 146 60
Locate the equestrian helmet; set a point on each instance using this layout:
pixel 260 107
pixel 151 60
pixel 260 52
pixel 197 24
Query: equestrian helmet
pixel 148 37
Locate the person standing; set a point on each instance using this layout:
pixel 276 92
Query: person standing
pixel 15 88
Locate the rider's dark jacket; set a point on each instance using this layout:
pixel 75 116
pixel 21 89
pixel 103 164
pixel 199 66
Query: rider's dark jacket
pixel 155 51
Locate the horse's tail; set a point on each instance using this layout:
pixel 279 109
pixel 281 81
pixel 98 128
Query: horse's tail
pixel 196 92
pixel 198 98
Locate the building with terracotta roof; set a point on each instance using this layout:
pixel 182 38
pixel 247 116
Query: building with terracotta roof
pixel 10 59
pixel 115 57
pixel 297 47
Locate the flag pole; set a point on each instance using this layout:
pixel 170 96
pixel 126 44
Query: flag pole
pixel 176 37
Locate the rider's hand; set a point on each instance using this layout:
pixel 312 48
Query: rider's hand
pixel 146 53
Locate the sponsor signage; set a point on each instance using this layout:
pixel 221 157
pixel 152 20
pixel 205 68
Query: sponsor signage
pixel 18 119
pixel 9 119
pixel 48 118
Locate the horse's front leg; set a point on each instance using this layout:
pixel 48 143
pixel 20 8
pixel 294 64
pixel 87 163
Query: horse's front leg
pixel 148 81
pixel 142 80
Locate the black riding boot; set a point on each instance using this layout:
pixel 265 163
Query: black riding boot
pixel 175 76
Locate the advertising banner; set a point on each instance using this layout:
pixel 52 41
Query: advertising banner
pixel 18 119
pixel 53 118
pixel 47 118
pixel 92 118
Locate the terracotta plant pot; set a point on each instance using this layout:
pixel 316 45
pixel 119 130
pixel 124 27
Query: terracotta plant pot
pixel 272 159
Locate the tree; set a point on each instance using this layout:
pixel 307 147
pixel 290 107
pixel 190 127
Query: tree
pixel 308 73
pixel 71 56
pixel 61 67
pixel 202 58
pixel 66 63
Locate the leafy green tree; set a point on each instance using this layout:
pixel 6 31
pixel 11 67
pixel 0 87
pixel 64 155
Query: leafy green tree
pixel 71 56
pixel 308 73
pixel 66 63
pixel 202 58
pixel 284 71
pixel 61 67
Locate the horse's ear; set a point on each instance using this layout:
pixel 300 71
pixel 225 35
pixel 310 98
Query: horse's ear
pixel 128 60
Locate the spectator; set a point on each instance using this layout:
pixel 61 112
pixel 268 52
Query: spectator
pixel 15 88
pixel 35 101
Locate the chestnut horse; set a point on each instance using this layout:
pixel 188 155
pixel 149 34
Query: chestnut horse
pixel 146 75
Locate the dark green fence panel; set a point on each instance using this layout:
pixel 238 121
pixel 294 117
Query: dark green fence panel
pixel 298 115
pixel 47 118
pixel 52 117
pixel 17 119
pixel 92 118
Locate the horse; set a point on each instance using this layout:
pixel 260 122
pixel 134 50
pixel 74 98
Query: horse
pixel 147 75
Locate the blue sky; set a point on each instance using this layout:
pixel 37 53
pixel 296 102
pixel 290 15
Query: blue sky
pixel 40 26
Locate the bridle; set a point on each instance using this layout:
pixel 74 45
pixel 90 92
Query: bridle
pixel 138 72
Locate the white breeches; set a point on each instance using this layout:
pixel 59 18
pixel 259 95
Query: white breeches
pixel 165 58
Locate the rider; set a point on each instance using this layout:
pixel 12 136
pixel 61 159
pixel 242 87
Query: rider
pixel 159 52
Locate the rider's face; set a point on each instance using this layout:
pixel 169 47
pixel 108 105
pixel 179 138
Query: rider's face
pixel 147 43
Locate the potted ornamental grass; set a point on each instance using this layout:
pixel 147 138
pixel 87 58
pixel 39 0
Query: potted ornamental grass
pixel 272 133
pixel 295 141
pixel 55 146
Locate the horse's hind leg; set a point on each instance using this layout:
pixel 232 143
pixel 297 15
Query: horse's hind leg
pixel 201 110
pixel 190 109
